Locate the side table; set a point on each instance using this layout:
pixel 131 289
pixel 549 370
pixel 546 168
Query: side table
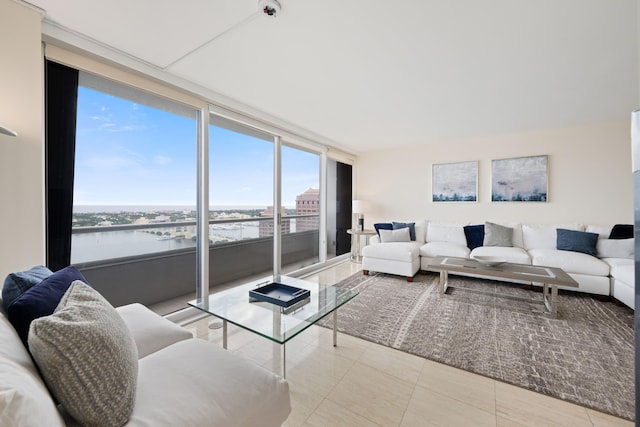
pixel 356 243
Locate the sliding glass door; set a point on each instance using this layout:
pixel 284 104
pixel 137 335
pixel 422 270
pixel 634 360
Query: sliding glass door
pixel 301 203
pixel 241 227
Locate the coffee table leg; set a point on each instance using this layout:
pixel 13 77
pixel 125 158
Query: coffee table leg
pixel 550 297
pixel 444 280
pixel 335 328
pixel 284 360
pixel 224 334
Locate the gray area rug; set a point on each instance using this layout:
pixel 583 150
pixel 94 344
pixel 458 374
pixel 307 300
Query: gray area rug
pixel 585 356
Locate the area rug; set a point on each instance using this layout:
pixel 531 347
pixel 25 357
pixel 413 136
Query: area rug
pixel 585 356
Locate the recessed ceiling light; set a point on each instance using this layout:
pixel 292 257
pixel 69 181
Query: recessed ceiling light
pixel 269 8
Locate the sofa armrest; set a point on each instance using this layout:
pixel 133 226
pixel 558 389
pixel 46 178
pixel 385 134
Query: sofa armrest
pixel 150 331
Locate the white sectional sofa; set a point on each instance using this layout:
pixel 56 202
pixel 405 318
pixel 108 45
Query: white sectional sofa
pixel 608 270
pixel 180 380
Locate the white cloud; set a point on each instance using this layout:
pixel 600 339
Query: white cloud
pixel 111 163
pixel 162 160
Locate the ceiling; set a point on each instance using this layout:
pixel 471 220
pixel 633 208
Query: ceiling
pixel 368 75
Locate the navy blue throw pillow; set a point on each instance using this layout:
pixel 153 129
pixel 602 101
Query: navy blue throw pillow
pixel 41 300
pixel 20 282
pixel 411 225
pixel 622 231
pixel 577 241
pixel 474 235
pixel 382 226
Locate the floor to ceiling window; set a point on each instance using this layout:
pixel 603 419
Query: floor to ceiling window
pixel 301 203
pixel 134 165
pixel 135 190
pixel 240 200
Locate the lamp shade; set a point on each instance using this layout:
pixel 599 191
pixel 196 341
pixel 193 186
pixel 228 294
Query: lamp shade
pixel 358 206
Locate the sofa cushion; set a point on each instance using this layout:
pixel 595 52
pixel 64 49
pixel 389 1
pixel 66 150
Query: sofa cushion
pixel 577 241
pixel 41 300
pixel 474 235
pixel 446 232
pixel 621 231
pixel 509 254
pixel 421 230
pixel 603 231
pixel 87 357
pixel 570 262
pixel 24 398
pixel 208 386
pixel 410 225
pixel 15 284
pixel 615 248
pixel 434 249
pixel 543 236
pixel 150 331
pixel 396 251
pixel 622 270
pixel 382 226
pixel 497 235
pixel 399 235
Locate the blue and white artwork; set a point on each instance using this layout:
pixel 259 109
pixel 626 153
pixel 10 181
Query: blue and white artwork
pixel 455 182
pixel 521 179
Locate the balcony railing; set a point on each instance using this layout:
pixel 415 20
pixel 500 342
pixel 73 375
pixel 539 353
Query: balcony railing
pixel 163 266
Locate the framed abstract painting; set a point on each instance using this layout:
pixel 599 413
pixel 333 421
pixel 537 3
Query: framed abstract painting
pixel 520 179
pixel 455 182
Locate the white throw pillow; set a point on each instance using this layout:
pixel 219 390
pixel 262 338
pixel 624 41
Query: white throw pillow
pixel 398 235
pixel 446 232
pixel 615 248
pixel 87 357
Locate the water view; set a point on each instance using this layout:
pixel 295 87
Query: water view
pixel 160 236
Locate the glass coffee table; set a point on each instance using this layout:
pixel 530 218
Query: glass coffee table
pixel 272 321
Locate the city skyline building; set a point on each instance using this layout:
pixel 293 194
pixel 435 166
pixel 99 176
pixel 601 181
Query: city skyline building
pixel 308 203
pixel 266 227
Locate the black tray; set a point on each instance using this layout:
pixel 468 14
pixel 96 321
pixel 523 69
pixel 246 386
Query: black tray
pixel 279 294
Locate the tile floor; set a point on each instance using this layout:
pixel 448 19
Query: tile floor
pixel 359 383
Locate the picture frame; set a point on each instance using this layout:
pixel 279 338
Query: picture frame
pixel 454 182
pixel 520 179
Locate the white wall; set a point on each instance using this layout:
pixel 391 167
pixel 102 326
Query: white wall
pixel 590 179
pixel 22 158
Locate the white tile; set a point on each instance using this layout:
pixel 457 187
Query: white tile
pixel 475 390
pixel 405 366
pixel 372 394
pixel 333 414
pixel 605 420
pixel 528 408
pixel 428 408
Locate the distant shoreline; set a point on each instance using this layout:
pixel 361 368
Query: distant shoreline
pixel 156 208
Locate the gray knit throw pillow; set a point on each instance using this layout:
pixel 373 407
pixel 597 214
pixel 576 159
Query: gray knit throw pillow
pixel 88 357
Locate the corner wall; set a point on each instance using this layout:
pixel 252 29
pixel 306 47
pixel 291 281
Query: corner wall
pixel 22 222
pixel 590 178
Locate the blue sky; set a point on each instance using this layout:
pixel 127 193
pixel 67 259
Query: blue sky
pixel 132 154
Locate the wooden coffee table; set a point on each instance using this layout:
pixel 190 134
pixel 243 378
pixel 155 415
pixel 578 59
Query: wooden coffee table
pixel 550 277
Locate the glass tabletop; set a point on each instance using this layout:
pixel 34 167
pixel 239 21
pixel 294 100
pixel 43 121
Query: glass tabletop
pixel 270 320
